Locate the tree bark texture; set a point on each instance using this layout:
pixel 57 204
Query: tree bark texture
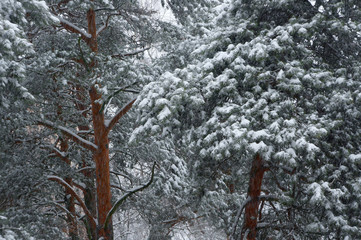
pixel 69 199
pixel 101 155
pixel 254 190
pixel 98 215
pixel 89 190
pixel 101 159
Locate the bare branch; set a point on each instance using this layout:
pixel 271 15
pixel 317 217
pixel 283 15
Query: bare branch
pixel 70 134
pixel 117 187
pixel 125 196
pixel 56 151
pixel 65 210
pixel 136 52
pixel 74 194
pixel 105 26
pixel 110 124
pixel 122 174
pixel 275 226
pixel 79 185
pixel 117 90
pixel 239 212
pixel 63 2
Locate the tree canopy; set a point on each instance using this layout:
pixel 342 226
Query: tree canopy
pixel 238 119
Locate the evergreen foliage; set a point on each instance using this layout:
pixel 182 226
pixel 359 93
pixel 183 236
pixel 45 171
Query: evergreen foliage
pixel 232 81
pixel 276 78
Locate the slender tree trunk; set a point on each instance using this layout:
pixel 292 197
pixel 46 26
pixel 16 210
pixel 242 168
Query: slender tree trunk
pixel 70 206
pixel 90 201
pixel 254 190
pixel 69 199
pixel 89 190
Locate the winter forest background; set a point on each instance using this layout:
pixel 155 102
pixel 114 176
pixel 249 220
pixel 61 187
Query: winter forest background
pixel 208 119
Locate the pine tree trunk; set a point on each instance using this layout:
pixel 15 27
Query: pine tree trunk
pixel 254 191
pixel 101 158
pixel 89 191
pixel 70 206
pixel 69 199
pixel 90 203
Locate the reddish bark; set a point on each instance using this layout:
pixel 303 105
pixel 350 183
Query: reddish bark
pixel 92 42
pixel 74 194
pixel 254 190
pixel 70 206
pixel 101 131
pixel 101 158
pixel 89 190
pixel 69 199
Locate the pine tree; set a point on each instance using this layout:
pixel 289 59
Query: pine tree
pixel 266 108
pixel 83 80
pixel 171 204
pixel 18 174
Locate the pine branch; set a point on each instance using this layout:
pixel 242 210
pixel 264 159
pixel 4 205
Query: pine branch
pixel 125 196
pixel 110 123
pixel 70 134
pixel 74 29
pixel 122 89
pixel 56 151
pixel 74 194
pixel 136 52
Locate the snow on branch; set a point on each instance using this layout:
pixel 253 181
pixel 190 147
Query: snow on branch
pixel 110 124
pixel 57 152
pixel 125 196
pixel 117 90
pixel 122 174
pixel 280 226
pixel 133 53
pixel 86 169
pixel 74 194
pixel 74 218
pixel 70 134
pixel 105 26
pixel 74 29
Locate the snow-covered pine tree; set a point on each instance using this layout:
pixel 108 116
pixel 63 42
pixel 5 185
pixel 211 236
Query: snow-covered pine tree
pixel 18 173
pixel 274 85
pixel 171 209
pixel 84 72
pixel 15 16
